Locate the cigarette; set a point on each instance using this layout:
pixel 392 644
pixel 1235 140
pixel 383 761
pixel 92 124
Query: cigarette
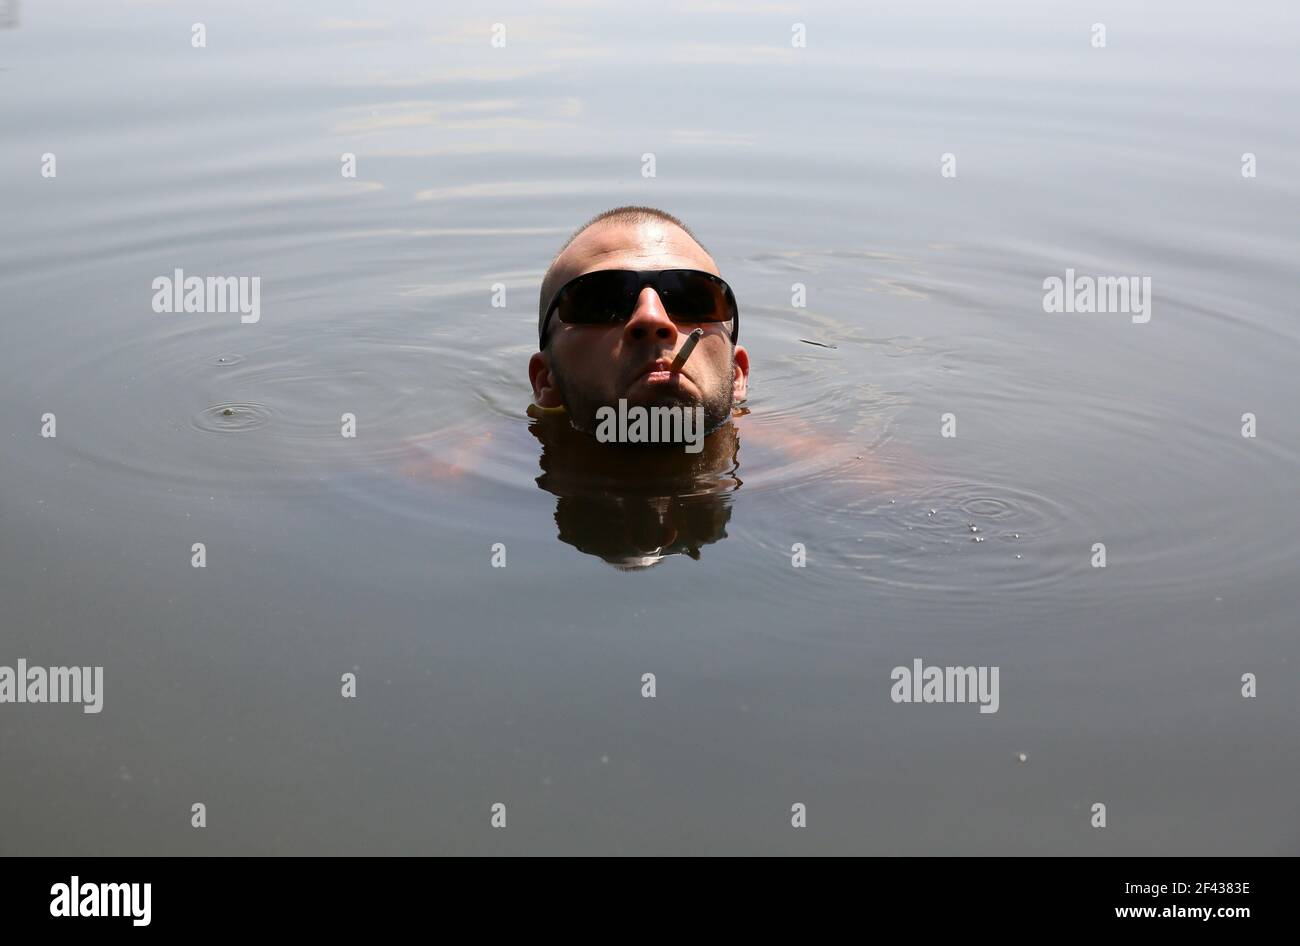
pixel 686 350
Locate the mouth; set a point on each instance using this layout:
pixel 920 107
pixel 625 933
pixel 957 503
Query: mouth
pixel 660 372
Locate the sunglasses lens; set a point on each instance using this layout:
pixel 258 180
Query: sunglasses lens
pixel 598 298
pixel 694 297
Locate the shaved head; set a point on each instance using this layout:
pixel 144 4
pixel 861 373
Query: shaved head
pixel 585 367
pixel 605 242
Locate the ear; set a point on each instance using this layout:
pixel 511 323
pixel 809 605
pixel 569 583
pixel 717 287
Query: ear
pixel 545 393
pixel 740 374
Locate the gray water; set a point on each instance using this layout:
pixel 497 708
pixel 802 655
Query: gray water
pixel 522 685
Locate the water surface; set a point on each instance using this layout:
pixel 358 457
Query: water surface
pixel 522 684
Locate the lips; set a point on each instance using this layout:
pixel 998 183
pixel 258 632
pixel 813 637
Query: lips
pixel 659 372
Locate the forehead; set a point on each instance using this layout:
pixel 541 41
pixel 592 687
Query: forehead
pixel 645 244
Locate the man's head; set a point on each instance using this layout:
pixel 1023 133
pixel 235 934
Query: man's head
pixel 586 367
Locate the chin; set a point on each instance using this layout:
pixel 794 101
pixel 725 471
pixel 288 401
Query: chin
pixel 673 397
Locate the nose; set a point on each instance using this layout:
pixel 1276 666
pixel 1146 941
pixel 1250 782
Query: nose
pixel 650 319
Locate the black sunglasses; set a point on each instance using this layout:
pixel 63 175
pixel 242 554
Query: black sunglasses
pixel 608 296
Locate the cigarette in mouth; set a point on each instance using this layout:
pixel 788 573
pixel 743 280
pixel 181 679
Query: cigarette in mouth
pixel 686 350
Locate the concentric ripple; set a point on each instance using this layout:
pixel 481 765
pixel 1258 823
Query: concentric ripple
pixel 232 418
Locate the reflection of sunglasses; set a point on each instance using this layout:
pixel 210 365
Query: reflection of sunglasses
pixel 608 296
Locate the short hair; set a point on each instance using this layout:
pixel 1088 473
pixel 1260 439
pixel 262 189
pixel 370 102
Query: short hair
pixel 629 214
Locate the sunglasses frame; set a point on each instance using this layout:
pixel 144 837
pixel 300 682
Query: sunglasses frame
pixel 645 277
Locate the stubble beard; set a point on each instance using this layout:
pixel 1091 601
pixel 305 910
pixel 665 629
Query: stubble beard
pixel 582 409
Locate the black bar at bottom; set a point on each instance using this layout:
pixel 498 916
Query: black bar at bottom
pixel 213 895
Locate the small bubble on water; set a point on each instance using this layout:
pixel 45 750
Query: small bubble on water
pixel 1022 757
pixel 1019 556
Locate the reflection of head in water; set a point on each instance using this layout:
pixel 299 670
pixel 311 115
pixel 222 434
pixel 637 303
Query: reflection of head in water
pixel 586 367
pixel 632 506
